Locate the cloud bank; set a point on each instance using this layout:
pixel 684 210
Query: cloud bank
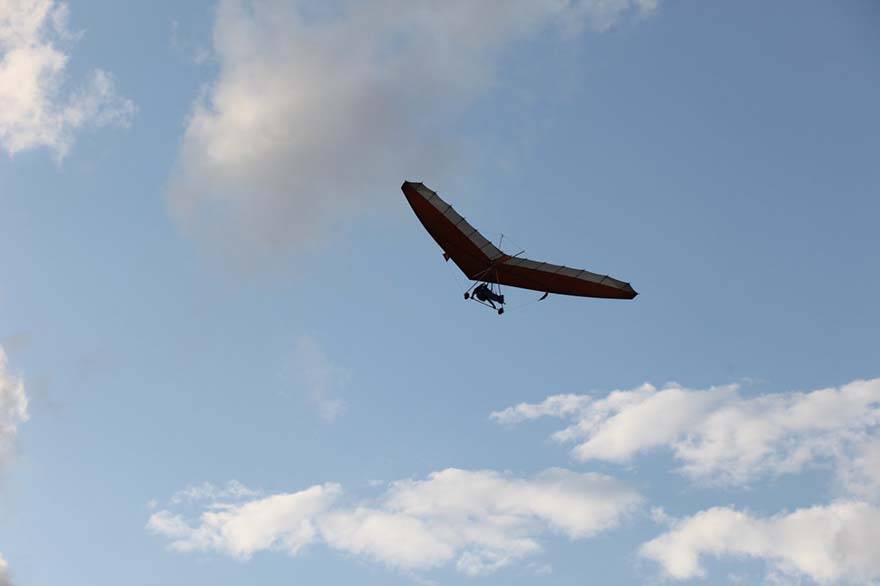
pixel 720 436
pixel 827 544
pixel 316 109
pixel 36 109
pixel 478 521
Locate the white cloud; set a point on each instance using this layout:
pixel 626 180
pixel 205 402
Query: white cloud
pixel 563 406
pixel 5 579
pixel 317 108
pixel 395 539
pixel 719 435
pixel 321 378
pixel 13 407
pixel 34 110
pixel 827 544
pixel 282 522
pixel 481 519
pixel 859 474
pixel 477 520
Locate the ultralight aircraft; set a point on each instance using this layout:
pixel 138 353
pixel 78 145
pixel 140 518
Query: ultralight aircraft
pixel 489 267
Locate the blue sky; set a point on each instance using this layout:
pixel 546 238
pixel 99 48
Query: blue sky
pixel 231 354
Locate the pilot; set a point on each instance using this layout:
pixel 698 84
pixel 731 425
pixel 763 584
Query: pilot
pixel 483 293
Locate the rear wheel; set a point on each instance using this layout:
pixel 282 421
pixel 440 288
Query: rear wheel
pixel 467 296
pixel 500 310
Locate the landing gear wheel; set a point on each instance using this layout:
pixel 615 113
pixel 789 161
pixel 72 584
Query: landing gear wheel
pixel 500 310
pixel 467 296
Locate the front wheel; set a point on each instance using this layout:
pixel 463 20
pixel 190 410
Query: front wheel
pixel 467 296
pixel 500 311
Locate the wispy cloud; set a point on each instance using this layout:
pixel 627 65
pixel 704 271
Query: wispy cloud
pixel 13 407
pixel 827 544
pixel 13 412
pixel 719 435
pixel 232 490
pixel 36 107
pixel 317 109
pixel 478 521
pixel 321 378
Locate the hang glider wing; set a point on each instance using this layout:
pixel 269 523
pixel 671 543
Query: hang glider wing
pixel 481 260
pixel 459 240
pixel 542 276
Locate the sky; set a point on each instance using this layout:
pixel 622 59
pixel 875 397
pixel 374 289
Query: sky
pixel 230 354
